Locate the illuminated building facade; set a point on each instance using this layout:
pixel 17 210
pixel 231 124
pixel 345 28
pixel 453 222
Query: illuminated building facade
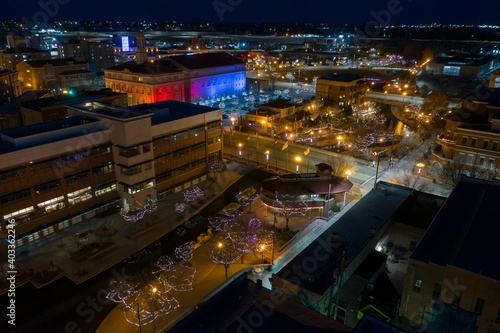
pixel 341 89
pixel 11 57
pixel 10 87
pixel 101 54
pixel 195 78
pixel 46 74
pixel 58 173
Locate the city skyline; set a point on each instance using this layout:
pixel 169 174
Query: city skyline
pixel 240 11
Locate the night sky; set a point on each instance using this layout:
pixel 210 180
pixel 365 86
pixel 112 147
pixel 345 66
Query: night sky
pixel 278 11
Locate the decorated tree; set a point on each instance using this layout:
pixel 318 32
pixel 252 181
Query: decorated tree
pixel 248 236
pixel 225 252
pixel 135 212
pixel 145 298
pixel 290 204
pixel 247 197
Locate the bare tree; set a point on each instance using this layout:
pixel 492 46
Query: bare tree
pixel 451 171
pixel 406 178
pixel 341 163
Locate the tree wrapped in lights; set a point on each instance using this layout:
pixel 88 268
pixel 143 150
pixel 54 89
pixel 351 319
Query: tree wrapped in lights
pixel 134 213
pixel 216 166
pixel 248 236
pixel 289 206
pixel 180 207
pixel 184 252
pixel 225 252
pixel 142 301
pixel 174 277
pixel 193 194
pixel 247 197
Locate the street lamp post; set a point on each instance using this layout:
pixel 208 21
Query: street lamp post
pixel 377 156
pixel 262 248
pixel 267 159
pixel 297 159
pixel 239 150
pixel 338 144
pixel 420 166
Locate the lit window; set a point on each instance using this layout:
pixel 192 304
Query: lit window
pixel 417 285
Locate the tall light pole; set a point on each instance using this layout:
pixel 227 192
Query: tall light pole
pixel 267 159
pixel 339 138
pixel 262 248
pixel 297 159
pixel 377 156
pixel 240 146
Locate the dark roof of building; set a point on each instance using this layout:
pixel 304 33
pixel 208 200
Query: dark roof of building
pixel 159 67
pixel 350 234
pixel 172 110
pixel 22 49
pixel 342 77
pixel 21 132
pixel 79 71
pixel 206 60
pixel 419 210
pixel 279 103
pixel 463 60
pixel 263 112
pixel 462 115
pixel 78 96
pixel 14 106
pixel 55 62
pixel 368 324
pixel 233 309
pixel 484 94
pixel 465 232
pixel 306 183
pixel 299 115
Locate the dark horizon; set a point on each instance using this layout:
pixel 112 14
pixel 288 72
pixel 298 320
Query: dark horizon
pixel 247 12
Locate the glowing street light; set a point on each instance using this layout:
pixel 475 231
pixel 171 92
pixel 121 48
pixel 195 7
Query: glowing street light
pixel 240 147
pixel 420 166
pixel 297 159
pixel 267 158
pixel 347 174
pixel 262 248
pixel 338 144
pixel 232 123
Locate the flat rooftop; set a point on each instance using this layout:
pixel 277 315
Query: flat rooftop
pixel 342 77
pixel 465 232
pixel 166 111
pixel 350 234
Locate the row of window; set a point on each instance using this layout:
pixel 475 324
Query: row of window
pixel 485 143
pixel 137 188
pixel 130 171
pixel 134 151
pixel 482 160
pixel 457 297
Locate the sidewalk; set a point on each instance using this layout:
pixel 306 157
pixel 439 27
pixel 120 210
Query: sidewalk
pixel 407 164
pixel 52 257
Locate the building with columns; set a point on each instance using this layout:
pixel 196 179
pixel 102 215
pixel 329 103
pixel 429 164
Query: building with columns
pixel 58 173
pixel 195 78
